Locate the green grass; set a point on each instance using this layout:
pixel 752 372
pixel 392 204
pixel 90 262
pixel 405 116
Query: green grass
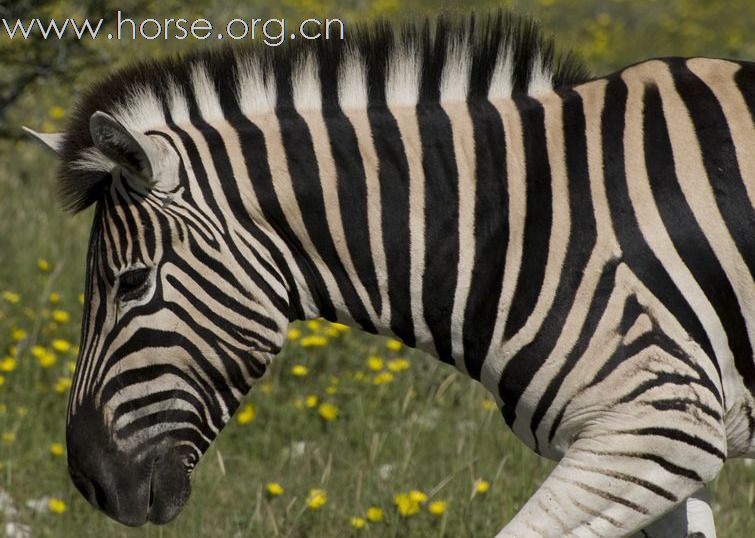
pixel 427 429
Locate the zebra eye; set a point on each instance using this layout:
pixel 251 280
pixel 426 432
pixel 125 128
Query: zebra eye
pixel 131 284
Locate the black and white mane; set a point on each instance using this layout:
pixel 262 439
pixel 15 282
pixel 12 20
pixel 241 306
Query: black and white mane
pixel 377 64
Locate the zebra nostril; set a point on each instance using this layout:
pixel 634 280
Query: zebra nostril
pixel 151 499
pixel 100 497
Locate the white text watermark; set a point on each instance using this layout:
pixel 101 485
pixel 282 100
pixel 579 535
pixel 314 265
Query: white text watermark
pixel 272 32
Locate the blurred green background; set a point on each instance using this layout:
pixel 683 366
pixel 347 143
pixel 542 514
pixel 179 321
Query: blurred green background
pixel 341 412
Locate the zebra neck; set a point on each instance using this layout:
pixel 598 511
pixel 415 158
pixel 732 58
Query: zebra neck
pixel 399 218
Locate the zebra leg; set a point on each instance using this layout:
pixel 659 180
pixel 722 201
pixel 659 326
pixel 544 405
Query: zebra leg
pixel 691 519
pixel 627 469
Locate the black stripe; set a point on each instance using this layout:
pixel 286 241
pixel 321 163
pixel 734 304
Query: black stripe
pixel 133 404
pixel 163 417
pixel 394 196
pixel 491 233
pixel 351 181
pixel 605 495
pixel 685 405
pixel 680 436
pixel 441 224
pixel 655 458
pixel 661 492
pixel 538 219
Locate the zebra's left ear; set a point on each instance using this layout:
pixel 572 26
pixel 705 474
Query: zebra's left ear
pixel 149 159
pixel 49 141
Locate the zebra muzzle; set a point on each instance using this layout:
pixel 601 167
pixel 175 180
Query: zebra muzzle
pixel 132 487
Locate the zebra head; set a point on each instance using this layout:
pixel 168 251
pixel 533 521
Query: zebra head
pixel 178 323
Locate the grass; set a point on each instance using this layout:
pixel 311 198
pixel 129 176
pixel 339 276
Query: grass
pixel 427 428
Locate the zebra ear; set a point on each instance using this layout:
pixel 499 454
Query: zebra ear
pixel 147 158
pixel 49 141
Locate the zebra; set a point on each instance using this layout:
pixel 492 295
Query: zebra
pixel 580 246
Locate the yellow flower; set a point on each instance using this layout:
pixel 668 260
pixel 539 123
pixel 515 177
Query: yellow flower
pixel 375 363
pixel 382 378
pixel 57 506
pixel 481 486
pixel 317 498
pixel 72 366
pixel 313 325
pixel 340 327
pixel 418 496
pixel 299 370
pixel 328 411
pixel 8 364
pixel 61 345
pixel 393 344
pixel 489 405
pixel 437 508
pixel 397 365
pixel 57 112
pixel 43 265
pixel 17 334
pixel 330 331
pixel 61 316
pixel 298 404
pixel 246 415
pixel 11 297
pixel 9 437
pixel 274 489
pixel 293 334
pixel 313 341
pixel 359 376
pixel 56 449
pixel 47 359
pixel 62 385
pixel 358 522
pixel 37 351
pixel 266 387
pixel 54 297
pixel 2 380
pixel 311 401
pixel 81 298
pixel 375 514
pixel 406 505
pixel 331 390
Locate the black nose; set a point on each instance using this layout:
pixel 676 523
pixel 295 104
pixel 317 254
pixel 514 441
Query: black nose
pixel 149 483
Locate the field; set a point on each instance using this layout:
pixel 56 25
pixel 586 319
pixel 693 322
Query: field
pixel 345 425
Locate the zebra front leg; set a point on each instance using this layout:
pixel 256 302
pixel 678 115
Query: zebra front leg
pixel 629 468
pixel 690 519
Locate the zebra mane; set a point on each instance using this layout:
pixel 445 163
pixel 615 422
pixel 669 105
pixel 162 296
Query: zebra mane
pixel 447 59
